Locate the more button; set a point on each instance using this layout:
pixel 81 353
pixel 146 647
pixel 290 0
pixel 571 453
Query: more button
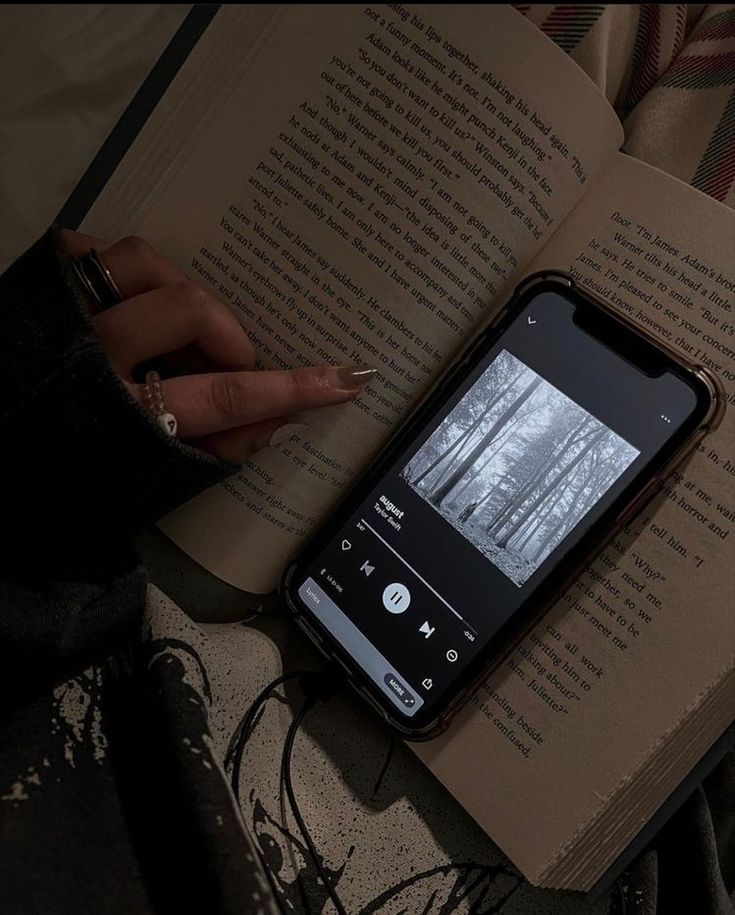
pixel 394 684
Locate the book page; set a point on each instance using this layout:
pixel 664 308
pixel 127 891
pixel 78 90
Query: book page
pixel 644 637
pixel 365 189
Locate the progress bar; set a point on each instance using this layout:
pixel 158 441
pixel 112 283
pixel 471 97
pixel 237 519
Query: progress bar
pixel 420 577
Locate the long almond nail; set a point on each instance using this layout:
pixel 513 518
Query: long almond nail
pixel 348 377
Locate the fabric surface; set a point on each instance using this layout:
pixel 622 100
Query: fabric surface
pixel 113 783
pixel 67 72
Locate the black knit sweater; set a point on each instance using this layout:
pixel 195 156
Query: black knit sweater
pixel 134 828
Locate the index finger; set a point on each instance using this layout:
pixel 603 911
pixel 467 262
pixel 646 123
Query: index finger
pixel 209 403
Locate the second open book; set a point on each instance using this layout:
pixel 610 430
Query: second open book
pixel 367 185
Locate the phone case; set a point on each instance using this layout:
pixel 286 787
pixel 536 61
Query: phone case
pixel 709 422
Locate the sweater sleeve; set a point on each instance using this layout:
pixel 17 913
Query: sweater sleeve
pixel 83 467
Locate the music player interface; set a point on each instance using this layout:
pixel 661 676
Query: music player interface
pixel 444 549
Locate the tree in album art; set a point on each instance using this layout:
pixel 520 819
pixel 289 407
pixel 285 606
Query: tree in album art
pixel 516 465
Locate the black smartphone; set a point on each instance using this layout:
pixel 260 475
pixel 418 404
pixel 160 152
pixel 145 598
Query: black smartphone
pixel 552 429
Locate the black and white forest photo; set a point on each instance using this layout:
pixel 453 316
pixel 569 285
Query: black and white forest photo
pixel 516 465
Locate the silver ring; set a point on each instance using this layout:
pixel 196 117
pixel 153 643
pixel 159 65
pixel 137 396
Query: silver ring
pixel 94 256
pixel 97 280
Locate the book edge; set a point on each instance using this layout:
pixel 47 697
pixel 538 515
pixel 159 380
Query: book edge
pixel 689 711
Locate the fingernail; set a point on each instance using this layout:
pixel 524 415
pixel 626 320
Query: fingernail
pixel 285 432
pixel 353 376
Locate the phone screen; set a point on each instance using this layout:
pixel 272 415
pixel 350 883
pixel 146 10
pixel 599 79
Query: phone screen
pixel 527 451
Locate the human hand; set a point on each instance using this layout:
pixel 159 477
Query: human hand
pixel 225 407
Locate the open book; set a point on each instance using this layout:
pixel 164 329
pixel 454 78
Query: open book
pixel 367 185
